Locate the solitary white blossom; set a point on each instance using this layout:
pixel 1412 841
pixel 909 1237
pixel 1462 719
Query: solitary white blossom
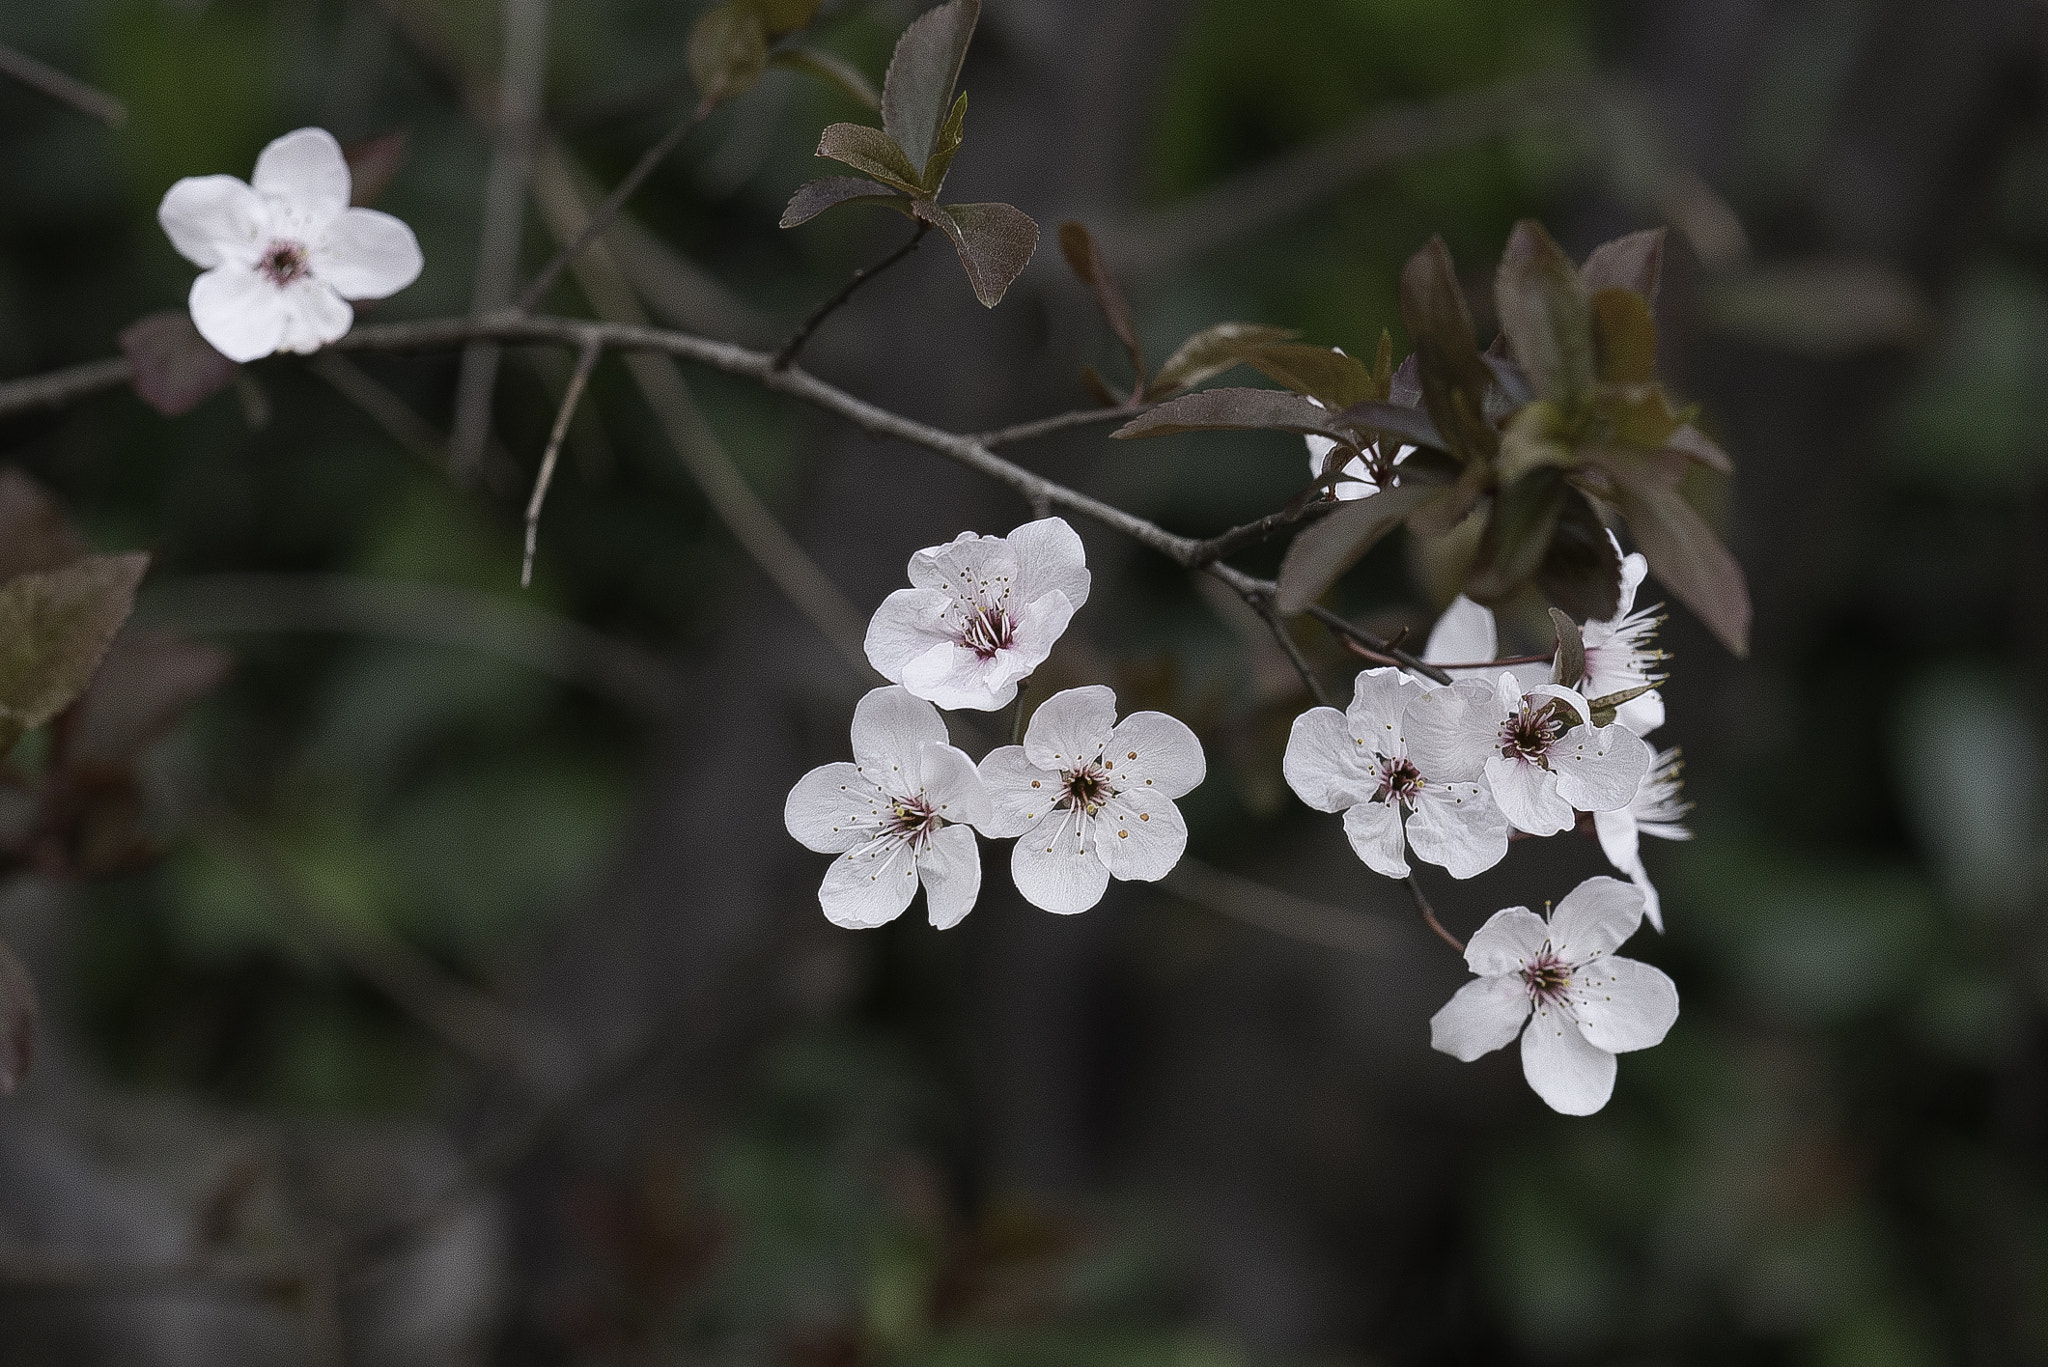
pixel 284 254
pixel 1619 656
pixel 1395 753
pixel 983 613
pixel 902 813
pixel 1091 798
pixel 1587 1005
pixel 1656 809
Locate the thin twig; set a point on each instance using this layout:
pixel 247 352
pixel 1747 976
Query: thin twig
pixel 613 203
pixel 1381 649
pixel 1017 721
pixel 1429 916
pixel 55 388
pixel 1059 422
pixel 1263 605
pixel 586 361
pixel 1252 533
pixel 786 354
pixel 65 89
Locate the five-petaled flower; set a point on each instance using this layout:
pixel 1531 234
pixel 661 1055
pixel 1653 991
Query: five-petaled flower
pixel 901 813
pixel 1090 798
pixel 1544 759
pixel 1581 1004
pixel 1656 809
pixel 982 613
pixel 1395 753
pixel 284 254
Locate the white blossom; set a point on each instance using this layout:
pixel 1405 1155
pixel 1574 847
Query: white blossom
pixel 1656 809
pixel 1090 798
pixel 284 253
pixel 1582 1005
pixel 1394 755
pixel 982 613
pixel 902 813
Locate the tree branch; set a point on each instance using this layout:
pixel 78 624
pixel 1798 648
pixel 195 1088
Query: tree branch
pixel 1429 916
pixel 1381 649
pixel 1059 422
pixel 1263 605
pixel 786 354
pixel 63 88
pixel 586 361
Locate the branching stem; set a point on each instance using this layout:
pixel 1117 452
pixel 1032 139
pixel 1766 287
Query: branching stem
pixel 586 361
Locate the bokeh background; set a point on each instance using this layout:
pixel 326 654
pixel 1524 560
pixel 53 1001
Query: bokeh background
pixel 458 877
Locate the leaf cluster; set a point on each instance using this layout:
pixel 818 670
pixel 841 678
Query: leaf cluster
pixel 903 163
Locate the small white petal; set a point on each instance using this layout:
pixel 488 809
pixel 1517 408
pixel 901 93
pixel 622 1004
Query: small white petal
pixel 1050 559
pixel 1325 764
pixel 1623 1004
pixel 307 170
pixel 1379 699
pixel 952 785
pixel 1019 792
pixel 314 315
pixel 1140 836
pixel 1071 727
pixel 907 625
pixel 1599 768
pixel 1034 629
pixel 890 730
pixel 1617 832
pixel 214 219
pixel 1653 904
pixel 958 679
pixel 1451 732
pixel 1056 867
pixel 1156 752
pixel 1374 829
pixel 365 254
pixel 1527 794
pixel 949 866
pixel 1568 1071
pixel 1466 634
pixel 1508 940
pixel 1641 714
pixel 239 313
pixel 832 808
pixel 870 884
pixel 1594 919
pixel 969 569
pixel 1484 1015
pixel 1457 827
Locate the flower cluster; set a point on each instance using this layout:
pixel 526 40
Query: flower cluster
pixel 1088 798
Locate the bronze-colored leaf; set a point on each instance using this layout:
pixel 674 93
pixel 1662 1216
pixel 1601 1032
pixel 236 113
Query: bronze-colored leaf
pixel 1535 439
pixel 54 627
pixel 1545 315
pixel 1517 536
pixel 141 688
pixel 728 51
pixel 918 87
pixel 1696 447
pixel 1229 410
pixel 1410 425
pixel 1581 570
pixel 1634 262
pixel 1098 388
pixel 1452 377
pixel 1212 351
pixel 17 1021
pixel 871 152
pixel 1324 373
pixel 1319 556
pixel 1682 550
pixel 171 366
pixel 1568 665
pixel 995 242
pixel 815 197
pixel 373 164
pixel 832 69
pixel 1084 258
pixel 34 532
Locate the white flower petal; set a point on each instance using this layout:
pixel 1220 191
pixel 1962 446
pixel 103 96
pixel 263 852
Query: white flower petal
pixel 907 625
pixel 1653 904
pixel 1527 794
pixel 1056 866
pixel 214 219
pixel 1140 836
pixel 365 254
pixel 949 865
pixel 1154 751
pixel 1325 764
pixel 1451 732
pixel 1319 449
pixel 1599 768
pixel 1374 829
pixel 957 679
pixel 239 313
pixel 890 730
pixel 1466 634
pixel 1484 1015
pixel 832 808
pixel 1641 714
pixel 1379 699
pixel 1617 832
pixel 1034 629
pixel 306 169
pixel 1570 1073
pixel 1071 727
pixel 1594 918
pixel 314 315
pixel 1050 559
pixel 1508 940
pixel 971 569
pixel 1457 827
pixel 1019 792
pixel 952 785
pixel 870 884
pixel 1623 1004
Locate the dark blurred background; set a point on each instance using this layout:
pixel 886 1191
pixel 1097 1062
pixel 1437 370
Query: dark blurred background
pixel 459 879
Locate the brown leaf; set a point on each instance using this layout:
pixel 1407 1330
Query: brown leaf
pixel 1682 550
pixel 141 688
pixel 1624 337
pixel 995 242
pixel 871 152
pixel 918 87
pixel 1323 373
pixel 932 175
pixel 815 197
pixel 1410 425
pixel 174 369
pixel 1568 665
pixel 55 625
pixel 1545 314
pixel 1084 258
pixel 1698 448
pixel 1230 410
pixel 1581 570
pixel 728 51
pixel 1634 262
pixel 373 164
pixel 1212 351
pixel 34 532
pixel 1452 377
pixel 17 1021
pixel 1317 557
pixel 1517 536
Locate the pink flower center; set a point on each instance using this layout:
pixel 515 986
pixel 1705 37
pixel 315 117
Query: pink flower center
pixel 1547 977
pixel 988 631
pixel 1085 789
pixel 914 818
pixel 1529 735
pixel 282 262
pixel 1400 781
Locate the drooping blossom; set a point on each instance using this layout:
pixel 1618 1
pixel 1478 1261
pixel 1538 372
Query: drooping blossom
pixel 1619 656
pixel 284 253
pixel 1580 1003
pixel 903 813
pixel 1657 809
pixel 1090 798
pixel 1394 756
pixel 982 613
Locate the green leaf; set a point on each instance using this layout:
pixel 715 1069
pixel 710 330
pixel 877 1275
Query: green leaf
pixel 779 17
pixel 1606 705
pixel 943 151
pixel 926 66
pixel 17 1021
pixel 1452 376
pixel 871 152
pixel 1084 258
pixel 34 533
pixel 1517 536
pixel 728 51
pixel 1230 410
pixel 1624 337
pixel 817 196
pixel 830 68
pixel 1317 557
pixel 1568 665
pixel 1545 314
pixel 1634 262
pixel 54 627
pixel 1581 570
pixel 995 242
pixel 1212 351
pixel 1682 550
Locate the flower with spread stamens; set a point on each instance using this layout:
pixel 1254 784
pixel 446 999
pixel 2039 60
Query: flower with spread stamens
pixel 1581 1004
pixel 982 613
pixel 1392 757
pixel 1656 809
pixel 284 253
pixel 1619 655
pixel 1090 798
pixel 1549 761
pixel 902 813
